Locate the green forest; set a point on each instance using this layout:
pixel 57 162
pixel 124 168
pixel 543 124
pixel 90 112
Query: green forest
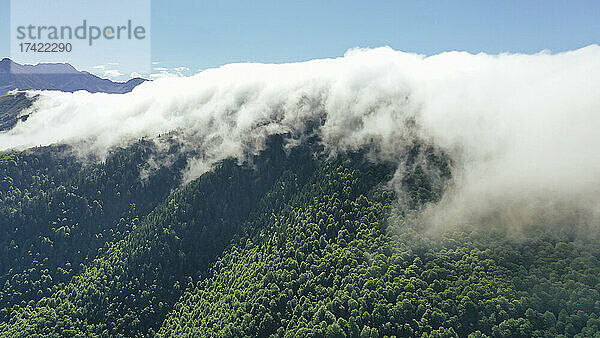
pixel 286 244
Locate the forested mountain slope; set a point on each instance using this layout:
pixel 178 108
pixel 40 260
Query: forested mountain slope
pixel 286 244
pixel 379 194
pixel 134 281
pixel 56 213
pixel 333 264
pixel 11 106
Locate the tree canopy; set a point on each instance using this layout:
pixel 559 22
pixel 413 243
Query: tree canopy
pixel 285 244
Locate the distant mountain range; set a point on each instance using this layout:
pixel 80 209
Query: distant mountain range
pixel 57 76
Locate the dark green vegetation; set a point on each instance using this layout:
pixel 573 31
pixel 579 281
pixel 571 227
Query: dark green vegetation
pixel 287 245
pixel 10 109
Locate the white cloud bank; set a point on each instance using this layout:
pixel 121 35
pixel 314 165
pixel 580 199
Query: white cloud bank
pixel 112 73
pixel 523 130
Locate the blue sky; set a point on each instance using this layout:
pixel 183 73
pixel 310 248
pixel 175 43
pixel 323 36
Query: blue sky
pixel 203 34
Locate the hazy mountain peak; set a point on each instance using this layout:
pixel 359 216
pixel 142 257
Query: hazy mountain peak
pixel 5 64
pixel 51 68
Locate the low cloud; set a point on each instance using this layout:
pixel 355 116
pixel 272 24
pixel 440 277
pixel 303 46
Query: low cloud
pixel 521 130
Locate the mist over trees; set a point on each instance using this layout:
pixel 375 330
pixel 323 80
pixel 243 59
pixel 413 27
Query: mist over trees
pixel 287 244
pixel 379 194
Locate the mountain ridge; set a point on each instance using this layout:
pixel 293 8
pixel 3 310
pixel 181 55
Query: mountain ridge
pixel 57 76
